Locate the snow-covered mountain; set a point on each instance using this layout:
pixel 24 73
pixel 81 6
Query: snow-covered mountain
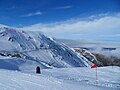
pixel 21 50
pixel 24 51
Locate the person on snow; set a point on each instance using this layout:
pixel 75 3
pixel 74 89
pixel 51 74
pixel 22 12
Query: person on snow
pixel 38 70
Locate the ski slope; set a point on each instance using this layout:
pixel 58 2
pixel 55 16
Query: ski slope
pixel 61 79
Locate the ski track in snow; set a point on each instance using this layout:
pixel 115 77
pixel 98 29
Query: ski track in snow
pixel 61 79
pixel 86 77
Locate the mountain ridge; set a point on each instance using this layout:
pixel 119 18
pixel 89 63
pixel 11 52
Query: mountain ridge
pixel 37 47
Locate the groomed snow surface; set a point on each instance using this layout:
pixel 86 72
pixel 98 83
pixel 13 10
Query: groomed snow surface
pixel 81 78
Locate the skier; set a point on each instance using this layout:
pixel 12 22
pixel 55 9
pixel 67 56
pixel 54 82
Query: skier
pixel 38 70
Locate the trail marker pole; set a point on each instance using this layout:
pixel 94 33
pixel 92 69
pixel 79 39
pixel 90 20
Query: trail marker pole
pixel 96 76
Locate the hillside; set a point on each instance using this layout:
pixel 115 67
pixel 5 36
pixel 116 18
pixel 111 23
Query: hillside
pixel 21 50
pixel 106 53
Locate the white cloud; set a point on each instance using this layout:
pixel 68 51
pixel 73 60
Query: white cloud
pixel 112 35
pixel 105 25
pixel 63 7
pixel 117 35
pixel 32 14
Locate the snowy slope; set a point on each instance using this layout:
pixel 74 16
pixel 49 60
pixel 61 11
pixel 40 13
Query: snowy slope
pixel 21 52
pixel 61 79
pixel 29 49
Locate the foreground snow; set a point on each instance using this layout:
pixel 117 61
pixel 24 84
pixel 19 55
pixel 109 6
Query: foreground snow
pixel 61 79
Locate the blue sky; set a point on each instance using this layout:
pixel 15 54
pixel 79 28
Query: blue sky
pixel 54 17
